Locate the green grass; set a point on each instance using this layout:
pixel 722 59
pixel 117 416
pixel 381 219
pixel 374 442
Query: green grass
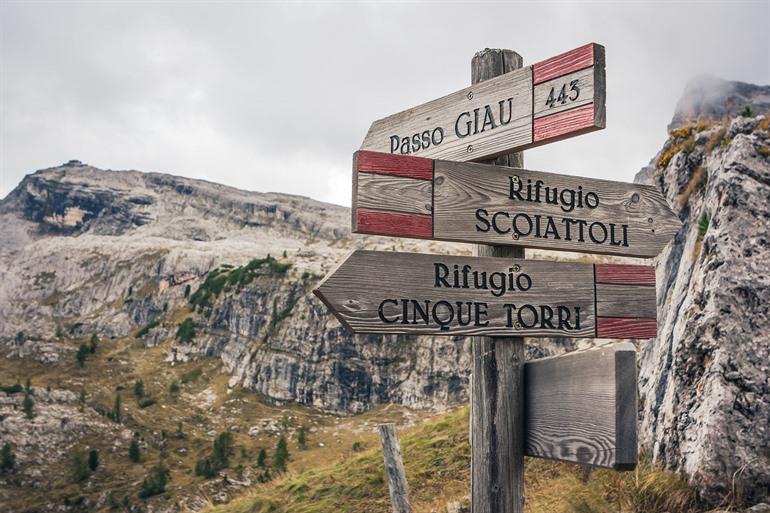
pixel 437 460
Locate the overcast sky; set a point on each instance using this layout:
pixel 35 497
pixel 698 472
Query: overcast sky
pixel 276 97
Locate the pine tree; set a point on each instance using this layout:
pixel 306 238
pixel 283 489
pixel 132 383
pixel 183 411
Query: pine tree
pixel 116 413
pixel 28 405
pixel 81 355
pixel 281 455
pixel 261 458
pixel 223 448
pixel 93 343
pixel 139 389
pixel 28 387
pixel 133 451
pixel 7 458
pixel 301 438
pixel 93 459
pixel 155 482
pixel 82 398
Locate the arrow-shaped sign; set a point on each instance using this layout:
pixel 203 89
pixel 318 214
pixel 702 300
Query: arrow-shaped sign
pixel 460 201
pixel 419 294
pixel 552 100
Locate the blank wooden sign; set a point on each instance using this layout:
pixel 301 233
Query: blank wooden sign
pixel 581 407
pixel 554 99
pixel 419 294
pixel 407 196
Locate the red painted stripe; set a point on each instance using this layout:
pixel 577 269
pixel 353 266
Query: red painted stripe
pixel 396 165
pixel 563 123
pixel 377 222
pixel 567 62
pixel 625 274
pixel 622 327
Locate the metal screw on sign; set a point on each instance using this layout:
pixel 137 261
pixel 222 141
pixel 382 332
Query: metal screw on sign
pixel 515 178
pixel 515 236
pixel 517 325
pixel 470 148
pixel 516 268
pixel 635 198
pixel 470 95
pixel 649 220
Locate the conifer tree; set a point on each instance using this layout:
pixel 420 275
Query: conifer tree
pixel 93 459
pixel 133 451
pixel 281 457
pixel 261 457
pixel 7 458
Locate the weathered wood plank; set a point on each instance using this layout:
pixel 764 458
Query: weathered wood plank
pixel 495 116
pixel 421 294
pixel 564 93
pixel 478 203
pixel 394 469
pixel 581 407
pixel 394 193
pixel 625 301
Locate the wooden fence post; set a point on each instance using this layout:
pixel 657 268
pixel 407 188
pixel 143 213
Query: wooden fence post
pixel 497 433
pixel 394 468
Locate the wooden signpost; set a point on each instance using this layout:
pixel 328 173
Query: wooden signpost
pixel 419 294
pixel 415 197
pixel 554 99
pixel 579 407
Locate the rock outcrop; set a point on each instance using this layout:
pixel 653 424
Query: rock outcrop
pixel 705 381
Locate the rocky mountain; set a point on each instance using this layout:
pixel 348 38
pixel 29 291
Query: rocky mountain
pixel 200 271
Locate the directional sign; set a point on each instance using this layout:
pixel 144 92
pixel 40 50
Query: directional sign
pixel 549 101
pixel 419 294
pixel 581 407
pixel 416 197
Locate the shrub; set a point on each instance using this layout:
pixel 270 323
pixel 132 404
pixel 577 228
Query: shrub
pixel 302 438
pixel 155 482
pixel 81 355
pixel 11 389
pixel 173 388
pixel 146 402
pixel 133 451
pixel 82 398
pixel 59 332
pixel 747 112
pixel 93 343
pixel 262 458
pixel 7 458
pixel 703 225
pixel 116 413
pixel 186 331
pixel 357 446
pixel 281 457
pixel 93 459
pixel 139 389
pixel 79 468
pixel 204 468
pixel 187 290
pixel 147 327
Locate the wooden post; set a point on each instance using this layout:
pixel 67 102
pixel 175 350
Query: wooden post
pixel 497 394
pixel 394 468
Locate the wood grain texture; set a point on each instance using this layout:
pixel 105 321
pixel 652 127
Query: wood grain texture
pixel 357 289
pixel 394 469
pixel 584 81
pixel 581 407
pixel 562 64
pixel 557 126
pixel 497 427
pixel 393 223
pixel 394 193
pixel 510 126
pixel 463 188
pixel 396 165
pixel 630 328
pixel 620 274
pixel 632 301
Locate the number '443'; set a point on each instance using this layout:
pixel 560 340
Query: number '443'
pixel 565 94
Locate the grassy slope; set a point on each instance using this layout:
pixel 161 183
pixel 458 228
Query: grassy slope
pixel 437 459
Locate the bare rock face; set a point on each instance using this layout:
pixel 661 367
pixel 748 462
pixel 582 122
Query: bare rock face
pixel 705 381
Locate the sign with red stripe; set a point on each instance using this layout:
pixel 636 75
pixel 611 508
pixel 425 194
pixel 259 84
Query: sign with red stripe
pixel 408 196
pixel 419 294
pixel 560 97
